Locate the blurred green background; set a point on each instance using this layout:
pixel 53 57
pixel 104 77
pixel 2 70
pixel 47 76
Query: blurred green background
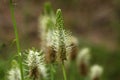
pixel 96 23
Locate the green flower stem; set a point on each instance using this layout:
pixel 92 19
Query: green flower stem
pixel 52 72
pixel 17 38
pixel 64 72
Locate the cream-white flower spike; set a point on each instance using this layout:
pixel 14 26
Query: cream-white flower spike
pixel 83 56
pixel 45 23
pixel 14 72
pixel 96 72
pixel 61 38
pixel 83 59
pixel 36 64
pixel 43 20
pixel 33 58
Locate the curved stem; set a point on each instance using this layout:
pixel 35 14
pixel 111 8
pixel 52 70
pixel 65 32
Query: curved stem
pixel 17 38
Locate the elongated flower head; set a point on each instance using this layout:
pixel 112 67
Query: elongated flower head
pixel 96 72
pixel 36 64
pixel 83 59
pixel 60 38
pixel 46 23
pixel 83 56
pixel 14 72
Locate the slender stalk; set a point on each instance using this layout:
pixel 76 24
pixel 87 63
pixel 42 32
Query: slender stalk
pixel 51 72
pixel 17 38
pixel 64 72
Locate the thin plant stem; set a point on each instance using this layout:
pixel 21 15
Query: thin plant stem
pixel 17 39
pixel 64 72
pixel 51 72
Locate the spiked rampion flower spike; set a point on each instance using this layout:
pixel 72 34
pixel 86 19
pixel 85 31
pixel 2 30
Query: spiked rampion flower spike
pixel 46 23
pixel 14 73
pixel 61 38
pixel 36 65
